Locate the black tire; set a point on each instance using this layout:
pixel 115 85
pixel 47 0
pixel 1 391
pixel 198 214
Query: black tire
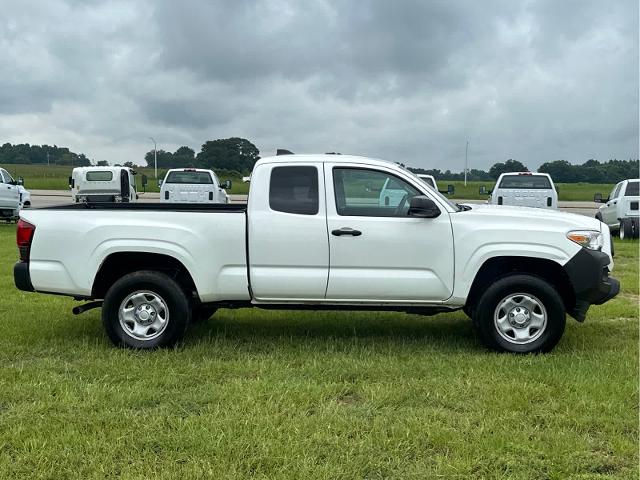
pixel 628 229
pixel 171 296
pixel 543 339
pixel 202 313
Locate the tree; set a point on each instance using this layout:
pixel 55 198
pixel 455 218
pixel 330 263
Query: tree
pixel 234 153
pixel 129 164
pixel 510 165
pixel 102 163
pixel 184 157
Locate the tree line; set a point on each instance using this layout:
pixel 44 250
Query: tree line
pixel 230 154
pixel 591 171
pixel 240 155
pixel 41 154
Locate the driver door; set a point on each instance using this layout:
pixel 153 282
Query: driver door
pixel 377 253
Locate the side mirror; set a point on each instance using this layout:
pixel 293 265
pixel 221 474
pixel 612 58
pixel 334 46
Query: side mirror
pixel 423 207
pixel 21 181
pixel 144 180
pixel 597 198
pixel 451 190
pixel 482 190
pixel 159 182
pixel 226 185
pixel 71 182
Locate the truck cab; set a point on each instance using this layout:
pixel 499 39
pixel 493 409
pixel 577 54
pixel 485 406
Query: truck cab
pixel 103 184
pixel 9 196
pixel 620 209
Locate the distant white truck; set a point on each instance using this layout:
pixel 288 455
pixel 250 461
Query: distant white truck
pixel 620 210
pixel 9 196
pixel 103 184
pixel 524 189
pixel 193 185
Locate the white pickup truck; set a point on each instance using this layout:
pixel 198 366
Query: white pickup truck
pixel 620 210
pixel 318 234
pixel 525 189
pixel 193 185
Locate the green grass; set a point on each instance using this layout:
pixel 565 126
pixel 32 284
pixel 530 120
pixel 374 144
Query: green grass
pixel 55 177
pixel 257 394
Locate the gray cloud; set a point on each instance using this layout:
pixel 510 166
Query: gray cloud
pixel 409 80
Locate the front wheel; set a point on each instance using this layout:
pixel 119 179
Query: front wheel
pixel 145 309
pixel 520 314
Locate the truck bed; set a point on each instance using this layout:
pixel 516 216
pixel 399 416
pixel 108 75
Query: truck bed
pixel 171 207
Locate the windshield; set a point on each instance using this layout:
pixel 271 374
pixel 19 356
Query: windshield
pixel 540 182
pixel 189 178
pixel 433 190
pixel 632 189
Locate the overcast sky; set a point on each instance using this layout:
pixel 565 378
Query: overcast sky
pixel 408 81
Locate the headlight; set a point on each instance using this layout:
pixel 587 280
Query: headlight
pixel 587 238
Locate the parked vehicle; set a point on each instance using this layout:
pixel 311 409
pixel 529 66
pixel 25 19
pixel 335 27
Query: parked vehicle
pixel 525 189
pixel 620 209
pixel 429 180
pixel 193 185
pixel 25 197
pixel 103 184
pixel 317 234
pixel 9 196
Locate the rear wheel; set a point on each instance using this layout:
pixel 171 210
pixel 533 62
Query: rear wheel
pixel 628 229
pixel 144 310
pixel 520 314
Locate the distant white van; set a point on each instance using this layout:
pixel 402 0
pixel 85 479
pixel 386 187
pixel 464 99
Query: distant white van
pixel 103 184
pixel 193 185
pixel 525 189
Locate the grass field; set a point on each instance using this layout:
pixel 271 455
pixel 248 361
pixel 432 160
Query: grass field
pixel 256 394
pixel 56 178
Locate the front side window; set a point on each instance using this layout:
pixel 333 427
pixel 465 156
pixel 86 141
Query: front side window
pixel 632 189
pixel 99 176
pixel 616 191
pixel 294 190
pixel 191 178
pixel 533 182
pixel 371 193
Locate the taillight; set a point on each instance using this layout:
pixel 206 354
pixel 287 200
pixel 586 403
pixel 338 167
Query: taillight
pixel 166 194
pixel 24 237
pixel 499 200
pixel 548 201
pixel 210 195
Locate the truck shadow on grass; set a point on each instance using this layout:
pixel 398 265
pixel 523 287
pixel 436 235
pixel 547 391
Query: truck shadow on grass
pixel 253 327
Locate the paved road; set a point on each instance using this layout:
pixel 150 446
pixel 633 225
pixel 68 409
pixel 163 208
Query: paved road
pixel 48 198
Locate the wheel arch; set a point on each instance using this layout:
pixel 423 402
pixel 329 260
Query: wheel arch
pixel 498 267
pixel 118 264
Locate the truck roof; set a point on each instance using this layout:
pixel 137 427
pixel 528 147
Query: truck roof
pixel 318 157
pixel 102 169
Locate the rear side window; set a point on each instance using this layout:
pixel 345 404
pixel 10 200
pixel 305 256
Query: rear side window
pixel 632 189
pixel 525 181
pixel 428 181
pixel 189 178
pixel 99 176
pixel 294 190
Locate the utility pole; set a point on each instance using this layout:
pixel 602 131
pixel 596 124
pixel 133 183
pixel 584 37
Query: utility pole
pixel 155 158
pixel 466 163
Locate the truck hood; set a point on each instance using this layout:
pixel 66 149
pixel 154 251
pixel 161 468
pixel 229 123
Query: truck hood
pixel 542 215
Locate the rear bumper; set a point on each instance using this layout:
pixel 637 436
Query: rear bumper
pixel 21 277
pixel 589 275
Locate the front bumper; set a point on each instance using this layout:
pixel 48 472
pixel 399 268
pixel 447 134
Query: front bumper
pixel 21 277
pixel 588 272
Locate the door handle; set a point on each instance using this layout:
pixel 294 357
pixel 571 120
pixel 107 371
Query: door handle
pixel 346 231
